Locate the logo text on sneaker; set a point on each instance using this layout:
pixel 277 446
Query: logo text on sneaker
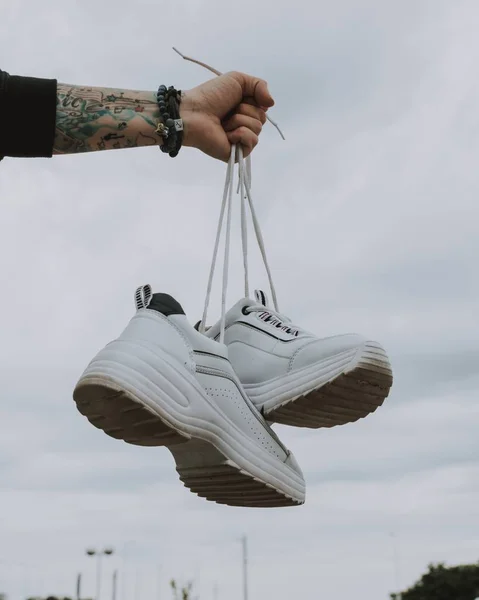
pixel 275 322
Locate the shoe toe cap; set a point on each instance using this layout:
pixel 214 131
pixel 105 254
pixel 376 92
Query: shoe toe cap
pixel 321 350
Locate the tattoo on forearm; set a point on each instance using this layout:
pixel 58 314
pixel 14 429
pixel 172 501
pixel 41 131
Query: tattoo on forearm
pixel 90 119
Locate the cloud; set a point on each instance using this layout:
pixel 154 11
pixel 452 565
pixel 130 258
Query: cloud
pixel 369 211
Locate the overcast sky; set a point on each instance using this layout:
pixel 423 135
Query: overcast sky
pixel 371 217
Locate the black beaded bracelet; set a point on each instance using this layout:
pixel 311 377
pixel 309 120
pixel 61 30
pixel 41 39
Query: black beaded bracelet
pixel 170 126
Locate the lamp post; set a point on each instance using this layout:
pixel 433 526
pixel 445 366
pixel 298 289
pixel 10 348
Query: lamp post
pixel 114 584
pixel 244 542
pixel 396 565
pixel 99 555
pixel 78 588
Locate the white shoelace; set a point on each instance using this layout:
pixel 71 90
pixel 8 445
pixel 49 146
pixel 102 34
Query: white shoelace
pixel 244 188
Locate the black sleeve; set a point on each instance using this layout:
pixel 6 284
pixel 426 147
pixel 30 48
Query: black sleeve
pixel 27 116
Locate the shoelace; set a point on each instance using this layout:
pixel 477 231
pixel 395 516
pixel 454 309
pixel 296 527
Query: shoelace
pixel 244 186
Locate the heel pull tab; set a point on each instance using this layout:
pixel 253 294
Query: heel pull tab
pixel 143 296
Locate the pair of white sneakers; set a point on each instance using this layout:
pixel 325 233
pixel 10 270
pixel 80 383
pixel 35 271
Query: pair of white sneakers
pixel 210 396
pixel 164 383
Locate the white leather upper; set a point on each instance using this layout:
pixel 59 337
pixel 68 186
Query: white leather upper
pixel 208 361
pixel 152 327
pixel 260 351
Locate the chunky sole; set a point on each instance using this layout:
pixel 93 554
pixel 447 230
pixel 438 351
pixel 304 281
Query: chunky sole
pixel 209 474
pixel 138 393
pixel 343 389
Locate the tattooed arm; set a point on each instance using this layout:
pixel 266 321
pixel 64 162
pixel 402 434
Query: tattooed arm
pixel 229 109
pixel 91 119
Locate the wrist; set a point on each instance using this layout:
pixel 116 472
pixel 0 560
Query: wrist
pixel 187 114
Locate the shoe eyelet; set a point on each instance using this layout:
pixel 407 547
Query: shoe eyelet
pixel 245 310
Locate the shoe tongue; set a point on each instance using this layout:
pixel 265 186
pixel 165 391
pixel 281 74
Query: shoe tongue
pixel 162 303
pixel 261 298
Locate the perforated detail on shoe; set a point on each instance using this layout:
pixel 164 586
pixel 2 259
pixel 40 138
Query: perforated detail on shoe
pixel 225 395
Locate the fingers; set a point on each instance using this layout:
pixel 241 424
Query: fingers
pixel 252 111
pixel 244 136
pixel 237 121
pixel 255 88
pixel 245 126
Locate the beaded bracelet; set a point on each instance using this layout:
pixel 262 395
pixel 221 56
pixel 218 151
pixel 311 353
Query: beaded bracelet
pixel 170 126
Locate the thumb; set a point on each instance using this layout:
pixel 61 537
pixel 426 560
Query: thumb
pixel 255 88
pixel 261 94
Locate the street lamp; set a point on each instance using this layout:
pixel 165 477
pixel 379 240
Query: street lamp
pixel 244 541
pixel 99 554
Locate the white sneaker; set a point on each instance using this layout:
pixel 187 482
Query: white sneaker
pixel 296 378
pixel 161 383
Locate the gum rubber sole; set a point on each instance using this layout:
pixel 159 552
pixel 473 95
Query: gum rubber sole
pixel 202 468
pixel 113 411
pixel 208 473
pixel 349 397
